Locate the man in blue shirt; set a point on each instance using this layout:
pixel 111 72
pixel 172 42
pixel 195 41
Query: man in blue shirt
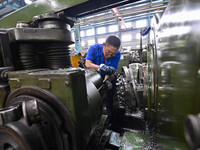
pixel 105 58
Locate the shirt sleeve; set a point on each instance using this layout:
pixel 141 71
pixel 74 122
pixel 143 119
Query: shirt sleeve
pixel 91 54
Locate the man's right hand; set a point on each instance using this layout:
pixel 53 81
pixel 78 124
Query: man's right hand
pixel 108 70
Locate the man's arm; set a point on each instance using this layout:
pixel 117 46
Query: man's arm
pixel 89 64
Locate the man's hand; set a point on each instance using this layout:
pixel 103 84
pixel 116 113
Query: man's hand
pixel 108 70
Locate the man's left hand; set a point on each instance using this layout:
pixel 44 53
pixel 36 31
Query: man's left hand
pixel 108 70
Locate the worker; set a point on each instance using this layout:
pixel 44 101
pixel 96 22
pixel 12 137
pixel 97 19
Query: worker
pixel 104 58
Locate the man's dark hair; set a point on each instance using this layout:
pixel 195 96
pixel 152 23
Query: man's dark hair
pixel 114 41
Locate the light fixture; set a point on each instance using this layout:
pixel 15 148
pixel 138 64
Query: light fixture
pixel 28 1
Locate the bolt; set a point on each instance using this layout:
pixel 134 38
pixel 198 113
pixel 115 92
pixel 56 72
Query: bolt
pixel 66 83
pixel 198 72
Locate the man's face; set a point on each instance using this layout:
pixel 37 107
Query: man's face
pixel 109 51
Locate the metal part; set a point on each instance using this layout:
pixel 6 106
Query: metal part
pixel 135 72
pixel 52 21
pixel 17 136
pixel 93 20
pixel 138 56
pixel 125 95
pixel 4 73
pixel 6 58
pixel 95 6
pixel 40 35
pixel 152 84
pixel 31 112
pixel 130 88
pixel 34 101
pixel 28 129
pixel 10 114
pixel 4 91
pixel 104 81
pixel 28 56
pixel 42 43
pixel 104 139
pixel 50 106
pixel 192 130
pixel 141 49
pixel 145 87
pixel 22 24
pixel 58 56
pixel 178 84
pixel 44 28
pixel 94 77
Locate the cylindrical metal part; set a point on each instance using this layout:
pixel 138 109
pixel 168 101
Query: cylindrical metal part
pixel 27 56
pixel 177 64
pixel 93 82
pixel 17 136
pixel 57 56
pixel 40 123
pixel 43 43
pixel 94 77
pixel 192 130
pixel 31 112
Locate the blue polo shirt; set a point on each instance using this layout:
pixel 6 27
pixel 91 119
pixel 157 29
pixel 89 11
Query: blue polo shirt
pixel 95 54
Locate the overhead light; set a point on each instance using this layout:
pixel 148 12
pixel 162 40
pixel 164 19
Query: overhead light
pixel 28 2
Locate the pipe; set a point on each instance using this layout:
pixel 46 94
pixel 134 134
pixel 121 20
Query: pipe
pixel 92 20
pixel 128 10
pixel 126 20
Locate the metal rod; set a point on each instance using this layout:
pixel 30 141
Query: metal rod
pixel 120 15
pixel 104 81
pixel 125 11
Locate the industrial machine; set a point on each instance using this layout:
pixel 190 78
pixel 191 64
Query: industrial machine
pixel 164 92
pixel 45 107
pixel 48 105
